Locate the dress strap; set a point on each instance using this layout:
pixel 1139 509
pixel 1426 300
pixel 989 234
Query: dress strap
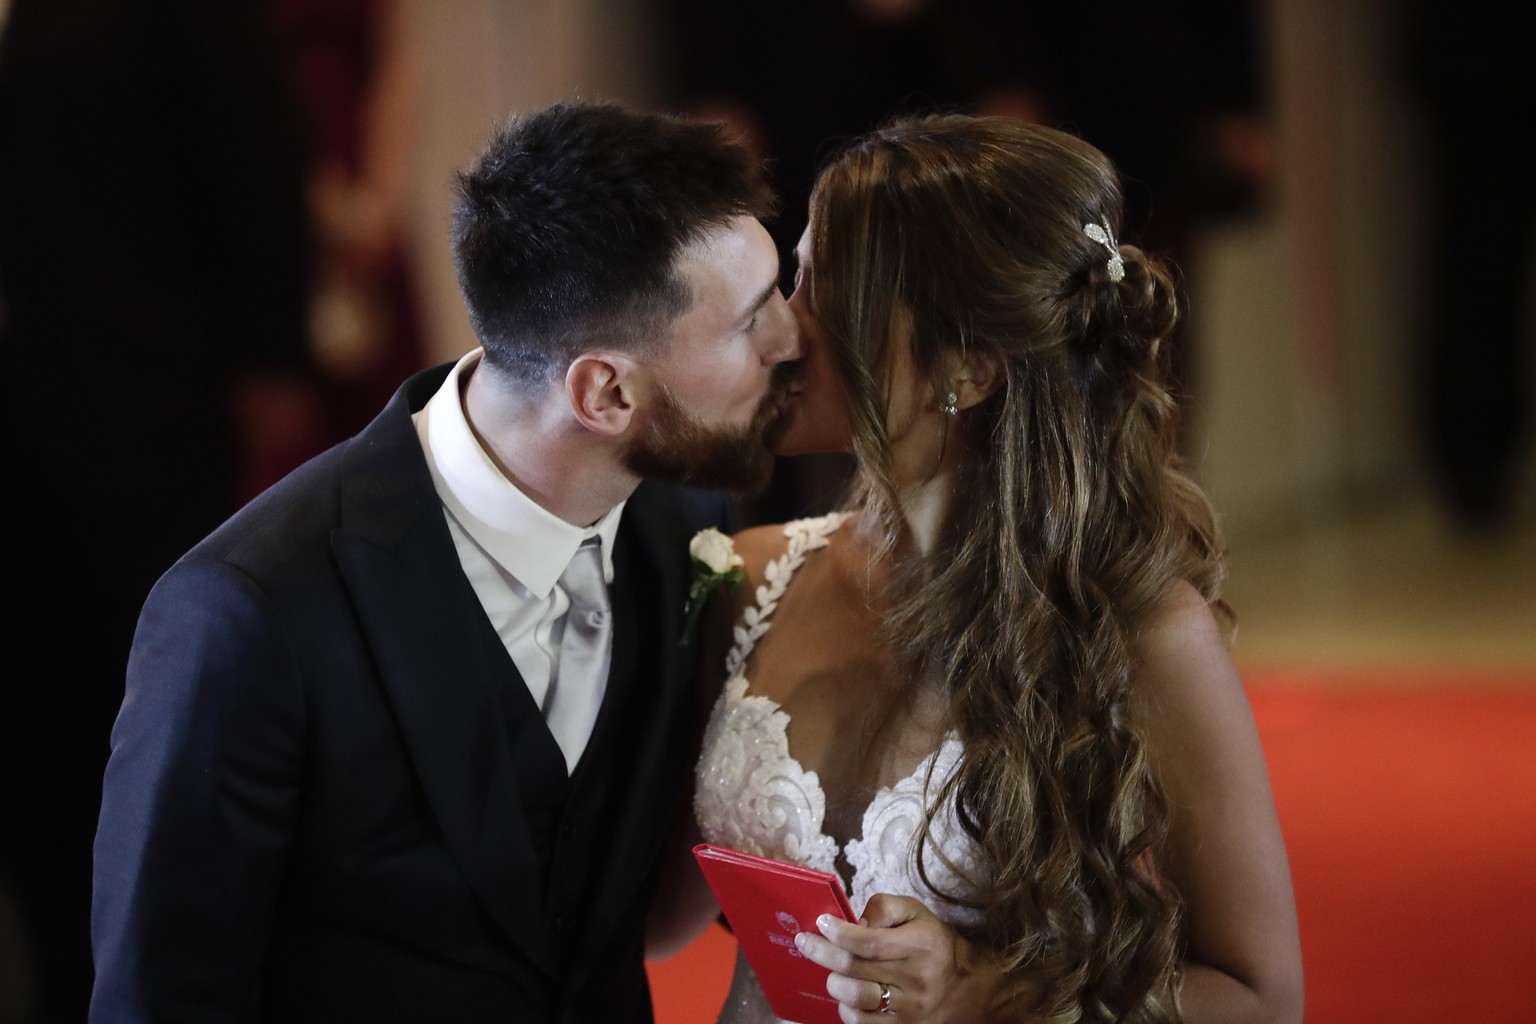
pixel 805 536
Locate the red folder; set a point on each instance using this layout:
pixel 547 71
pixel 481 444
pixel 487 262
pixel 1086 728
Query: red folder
pixel 767 902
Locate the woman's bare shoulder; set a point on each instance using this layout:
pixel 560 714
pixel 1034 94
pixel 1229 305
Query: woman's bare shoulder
pixel 1184 674
pixel 1180 626
pixel 759 545
pixel 1185 685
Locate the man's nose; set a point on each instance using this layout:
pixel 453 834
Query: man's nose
pixel 784 332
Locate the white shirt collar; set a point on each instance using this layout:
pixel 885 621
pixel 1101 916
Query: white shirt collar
pixel 523 537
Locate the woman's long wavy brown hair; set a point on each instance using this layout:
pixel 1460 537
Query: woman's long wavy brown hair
pixel 1076 521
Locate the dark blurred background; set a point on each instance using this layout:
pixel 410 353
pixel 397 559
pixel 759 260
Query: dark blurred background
pixel 223 242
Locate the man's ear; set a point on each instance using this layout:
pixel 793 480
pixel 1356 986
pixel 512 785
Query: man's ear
pixel 974 376
pixel 600 387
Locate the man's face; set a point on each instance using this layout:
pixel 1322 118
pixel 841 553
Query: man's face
pixel 720 380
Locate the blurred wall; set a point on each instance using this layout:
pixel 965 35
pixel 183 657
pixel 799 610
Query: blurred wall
pixel 481 61
pixel 1309 334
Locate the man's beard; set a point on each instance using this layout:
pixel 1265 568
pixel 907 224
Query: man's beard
pixel 679 447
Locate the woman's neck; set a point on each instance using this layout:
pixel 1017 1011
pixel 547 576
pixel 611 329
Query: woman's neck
pixel 925 506
pixel 926 492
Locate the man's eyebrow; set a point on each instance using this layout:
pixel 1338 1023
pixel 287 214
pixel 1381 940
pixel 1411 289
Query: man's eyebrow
pixel 762 300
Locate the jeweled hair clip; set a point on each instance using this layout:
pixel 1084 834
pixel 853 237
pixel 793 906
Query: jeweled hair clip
pixel 1100 233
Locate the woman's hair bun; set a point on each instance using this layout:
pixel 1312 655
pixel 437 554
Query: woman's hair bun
pixel 1118 324
pixel 1148 296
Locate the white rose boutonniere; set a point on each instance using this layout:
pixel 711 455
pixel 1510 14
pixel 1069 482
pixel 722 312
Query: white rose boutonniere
pixel 715 562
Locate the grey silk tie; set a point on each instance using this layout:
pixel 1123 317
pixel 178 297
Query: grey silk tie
pixel 576 691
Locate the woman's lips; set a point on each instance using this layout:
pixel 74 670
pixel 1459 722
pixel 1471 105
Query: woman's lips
pixel 788 402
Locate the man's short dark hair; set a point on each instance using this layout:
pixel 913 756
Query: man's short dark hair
pixel 567 230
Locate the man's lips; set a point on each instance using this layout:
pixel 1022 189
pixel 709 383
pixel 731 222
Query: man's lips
pixel 778 419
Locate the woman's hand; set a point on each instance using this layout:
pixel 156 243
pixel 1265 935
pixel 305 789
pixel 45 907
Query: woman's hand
pixel 900 949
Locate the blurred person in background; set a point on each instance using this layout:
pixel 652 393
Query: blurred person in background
pixel 153 284
pixel 355 68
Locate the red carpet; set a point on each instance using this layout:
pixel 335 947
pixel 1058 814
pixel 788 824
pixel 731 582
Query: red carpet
pixel 1409 811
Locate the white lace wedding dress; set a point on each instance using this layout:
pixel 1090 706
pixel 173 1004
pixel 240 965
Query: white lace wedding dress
pixel 752 795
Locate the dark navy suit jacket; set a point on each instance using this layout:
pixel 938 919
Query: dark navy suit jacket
pixel 312 813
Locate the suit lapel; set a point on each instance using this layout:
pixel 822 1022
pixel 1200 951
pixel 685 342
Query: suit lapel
pixel 425 626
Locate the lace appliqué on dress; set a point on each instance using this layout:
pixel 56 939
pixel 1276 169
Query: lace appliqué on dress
pixel 752 794
pixel 805 536
pixel 884 856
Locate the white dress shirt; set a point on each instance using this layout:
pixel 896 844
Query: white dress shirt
pixel 512 549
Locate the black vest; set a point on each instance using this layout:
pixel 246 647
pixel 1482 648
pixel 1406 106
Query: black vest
pixel 566 815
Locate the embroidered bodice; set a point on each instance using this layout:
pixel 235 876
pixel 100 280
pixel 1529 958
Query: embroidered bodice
pixel 753 795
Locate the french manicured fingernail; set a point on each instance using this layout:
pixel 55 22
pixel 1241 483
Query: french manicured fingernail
pixel 824 924
pixel 800 941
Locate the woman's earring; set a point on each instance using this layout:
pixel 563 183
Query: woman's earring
pixel 949 408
